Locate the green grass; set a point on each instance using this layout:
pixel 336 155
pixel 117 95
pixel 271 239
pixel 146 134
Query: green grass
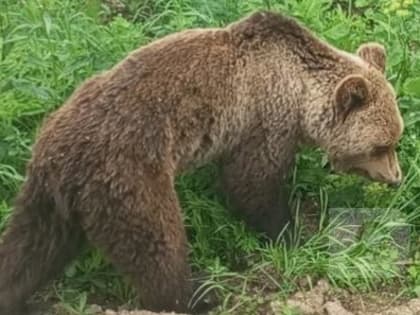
pixel 48 47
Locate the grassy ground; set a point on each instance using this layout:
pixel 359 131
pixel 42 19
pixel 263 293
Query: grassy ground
pixel 47 47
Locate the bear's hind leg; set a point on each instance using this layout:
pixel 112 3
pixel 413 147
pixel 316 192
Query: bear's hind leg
pixel 142 234
pixel 35 248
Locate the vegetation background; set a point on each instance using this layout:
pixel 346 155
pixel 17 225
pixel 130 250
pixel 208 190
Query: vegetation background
pixel 48 47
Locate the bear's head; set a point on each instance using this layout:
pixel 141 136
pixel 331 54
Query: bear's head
pixel 367 122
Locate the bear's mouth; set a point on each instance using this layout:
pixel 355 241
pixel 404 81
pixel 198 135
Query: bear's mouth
pixel 335 169
pixel 360 171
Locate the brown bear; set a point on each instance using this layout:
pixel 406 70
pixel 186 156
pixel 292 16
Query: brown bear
pixel 247 95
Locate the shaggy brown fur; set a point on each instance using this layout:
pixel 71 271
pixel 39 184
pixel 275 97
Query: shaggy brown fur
pixel 104 164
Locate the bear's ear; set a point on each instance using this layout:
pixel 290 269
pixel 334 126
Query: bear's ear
pixel 351 93
pixel 374 54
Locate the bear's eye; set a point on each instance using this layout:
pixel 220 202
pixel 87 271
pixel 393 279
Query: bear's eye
pixel 379 150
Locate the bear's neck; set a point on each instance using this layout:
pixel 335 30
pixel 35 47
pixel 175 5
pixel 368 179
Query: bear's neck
pixel 293 92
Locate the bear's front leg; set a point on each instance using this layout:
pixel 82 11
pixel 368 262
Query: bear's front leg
pixel 252 178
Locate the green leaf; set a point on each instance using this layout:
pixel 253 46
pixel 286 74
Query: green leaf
pixel 412 271
pixel 338 31
pixel 47 23
pixel 71 271
pixel 412 87
pixel 362 3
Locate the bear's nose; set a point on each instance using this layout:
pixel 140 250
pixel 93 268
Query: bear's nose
pixel 396 183
pixel 398 179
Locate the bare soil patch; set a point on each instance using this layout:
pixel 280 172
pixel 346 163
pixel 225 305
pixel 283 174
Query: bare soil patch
pixel 322 299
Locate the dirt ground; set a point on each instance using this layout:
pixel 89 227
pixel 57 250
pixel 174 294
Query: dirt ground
pixel 321 300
